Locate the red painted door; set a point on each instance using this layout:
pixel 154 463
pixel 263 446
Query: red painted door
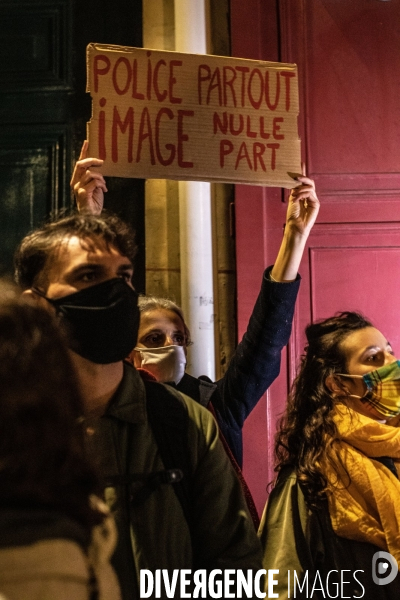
pixel 348 56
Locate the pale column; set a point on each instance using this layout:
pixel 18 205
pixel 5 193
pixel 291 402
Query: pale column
pixel 197 288
pixel 162 206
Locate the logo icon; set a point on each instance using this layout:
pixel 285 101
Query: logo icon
pixel 384 568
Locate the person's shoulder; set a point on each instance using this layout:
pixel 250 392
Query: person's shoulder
pixel 286 480
pixel 200 418
pixel 167 390
pixel 287 472
pixel 201 389
pixel 196 411
pixel 174 404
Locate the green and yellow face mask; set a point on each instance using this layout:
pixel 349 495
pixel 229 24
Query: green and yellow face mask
pixel 383 388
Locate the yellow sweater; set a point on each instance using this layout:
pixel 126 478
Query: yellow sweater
pixel 364 501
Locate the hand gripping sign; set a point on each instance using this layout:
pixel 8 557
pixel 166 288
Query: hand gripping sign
pixel 170 115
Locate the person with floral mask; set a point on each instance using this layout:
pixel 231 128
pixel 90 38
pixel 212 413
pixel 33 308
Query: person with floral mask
pixel 335 504
pixel 79 268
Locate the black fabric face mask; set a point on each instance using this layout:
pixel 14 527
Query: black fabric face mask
pixel 101 321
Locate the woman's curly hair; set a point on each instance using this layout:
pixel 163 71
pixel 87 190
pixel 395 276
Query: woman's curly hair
pixel 307 430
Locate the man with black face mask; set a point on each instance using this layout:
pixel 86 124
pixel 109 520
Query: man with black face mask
pixel 80 267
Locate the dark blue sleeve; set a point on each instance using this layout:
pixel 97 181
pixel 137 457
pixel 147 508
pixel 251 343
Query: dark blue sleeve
pixel 256 362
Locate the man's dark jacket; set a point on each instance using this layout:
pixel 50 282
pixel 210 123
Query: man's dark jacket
pixel 153 530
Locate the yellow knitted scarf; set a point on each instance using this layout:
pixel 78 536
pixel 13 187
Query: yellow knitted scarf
pixel 363 495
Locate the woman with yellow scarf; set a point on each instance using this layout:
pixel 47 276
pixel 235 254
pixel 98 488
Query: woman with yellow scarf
pixel 332 523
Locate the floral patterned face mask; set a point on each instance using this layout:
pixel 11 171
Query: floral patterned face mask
pixel 383 388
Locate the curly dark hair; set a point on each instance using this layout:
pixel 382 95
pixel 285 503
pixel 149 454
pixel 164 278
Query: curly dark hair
pixel 42 455
pixel 35 254
pixel 307 428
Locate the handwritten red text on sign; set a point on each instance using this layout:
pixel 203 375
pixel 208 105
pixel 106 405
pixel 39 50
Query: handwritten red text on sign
pixel 178 116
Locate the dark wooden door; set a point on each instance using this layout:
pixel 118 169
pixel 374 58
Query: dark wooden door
pixel 44 109
pixel 348 55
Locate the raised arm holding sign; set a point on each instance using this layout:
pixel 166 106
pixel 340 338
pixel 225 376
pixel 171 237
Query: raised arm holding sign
pixel 170 115
pixel 257 358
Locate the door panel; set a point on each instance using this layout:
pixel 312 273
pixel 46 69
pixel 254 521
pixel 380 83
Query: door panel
pixel 33 46
pixel 350 267
pixel 44 109
pixel 30 169
pixel 348 57
pixel 35 78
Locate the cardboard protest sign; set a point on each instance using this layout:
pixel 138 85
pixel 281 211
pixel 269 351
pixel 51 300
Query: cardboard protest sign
pixel 192 117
